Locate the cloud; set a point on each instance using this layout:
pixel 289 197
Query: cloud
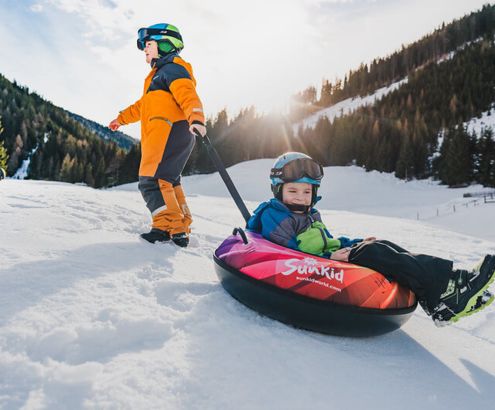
pixel 82 53
pixel 36 8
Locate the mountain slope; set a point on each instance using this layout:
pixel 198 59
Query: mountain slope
pixel 413 125
pixel 57 144
pixel 439 45
pixel 91 317
pixel 121 139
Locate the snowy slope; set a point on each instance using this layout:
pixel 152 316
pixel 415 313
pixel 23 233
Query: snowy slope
pixel 90 317
pixel 485 120
pixel 376 193
pixel 348 105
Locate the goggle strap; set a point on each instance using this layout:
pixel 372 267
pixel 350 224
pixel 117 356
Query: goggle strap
pixel 164 32
pixel 276 172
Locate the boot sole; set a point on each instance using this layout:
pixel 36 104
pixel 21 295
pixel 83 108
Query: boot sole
pixel 142 240
pixel 469 309
pixel 180 246
pixel 463 314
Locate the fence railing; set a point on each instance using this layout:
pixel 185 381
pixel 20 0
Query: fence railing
pixel 483 198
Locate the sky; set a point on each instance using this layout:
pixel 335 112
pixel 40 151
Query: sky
pixel 82 54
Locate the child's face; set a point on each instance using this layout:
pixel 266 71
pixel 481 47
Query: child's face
pixel 297 193
pixel 151 50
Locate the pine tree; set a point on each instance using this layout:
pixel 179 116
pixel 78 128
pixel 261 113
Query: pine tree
pixel 3 152
pixel 129 167
pixel 66 172
pixel 405 162
pixel 486 158
pixel 456 166
pixel 88 175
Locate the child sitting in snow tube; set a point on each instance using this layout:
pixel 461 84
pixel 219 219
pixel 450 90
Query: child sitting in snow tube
pixel 290 219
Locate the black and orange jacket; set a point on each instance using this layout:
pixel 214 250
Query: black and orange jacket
pixel 169 96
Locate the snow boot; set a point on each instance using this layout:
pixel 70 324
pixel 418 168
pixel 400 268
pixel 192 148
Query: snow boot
pixel 467 293
pixel 156 235
pixel 180 239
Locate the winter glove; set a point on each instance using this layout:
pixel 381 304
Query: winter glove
pixel 197 128
pixel 345 242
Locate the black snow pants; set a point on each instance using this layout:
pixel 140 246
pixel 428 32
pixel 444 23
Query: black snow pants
pixel 427 276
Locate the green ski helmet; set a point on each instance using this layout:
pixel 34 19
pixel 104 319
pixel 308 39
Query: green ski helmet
pixel 167 37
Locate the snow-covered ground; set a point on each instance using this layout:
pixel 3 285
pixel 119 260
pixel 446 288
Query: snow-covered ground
pixel 90 317
pixel 376 193
pixel 486 120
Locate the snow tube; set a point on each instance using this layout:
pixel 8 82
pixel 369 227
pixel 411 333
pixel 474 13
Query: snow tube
pixel 310 292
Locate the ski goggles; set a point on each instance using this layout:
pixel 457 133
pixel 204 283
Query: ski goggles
pixel 297 169
pixel 144 34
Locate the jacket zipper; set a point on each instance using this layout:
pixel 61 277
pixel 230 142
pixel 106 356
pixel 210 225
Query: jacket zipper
pixel 323 237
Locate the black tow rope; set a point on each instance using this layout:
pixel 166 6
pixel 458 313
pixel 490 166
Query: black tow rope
pixel 212 152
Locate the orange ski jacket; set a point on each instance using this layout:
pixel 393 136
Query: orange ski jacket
pixel 169 97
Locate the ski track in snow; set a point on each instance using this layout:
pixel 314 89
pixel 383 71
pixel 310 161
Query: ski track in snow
pixel 91 317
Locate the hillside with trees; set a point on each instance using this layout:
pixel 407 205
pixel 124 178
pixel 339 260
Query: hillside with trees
pixel 416 131
pixel 59 145
pixel 383 71
pixel 400 133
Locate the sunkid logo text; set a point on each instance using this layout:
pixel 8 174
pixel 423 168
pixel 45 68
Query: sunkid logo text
pixel 310 266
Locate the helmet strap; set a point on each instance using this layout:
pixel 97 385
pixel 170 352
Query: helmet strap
pixel 314 194
pixel 277 191
pixel 278 194
pixel 298 208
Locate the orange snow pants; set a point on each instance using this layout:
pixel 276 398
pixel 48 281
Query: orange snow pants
pixel 167 204
pixel 163 192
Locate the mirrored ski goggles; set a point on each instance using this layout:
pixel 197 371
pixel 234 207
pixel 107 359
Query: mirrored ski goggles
pixel 144 35
pixel 297 169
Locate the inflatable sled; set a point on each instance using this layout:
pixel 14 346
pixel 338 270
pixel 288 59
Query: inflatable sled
pixel 304 290
pixel 310 292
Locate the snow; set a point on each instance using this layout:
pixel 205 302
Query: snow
pixel 485 120
pixel 348 105
pixel 22 171
pixel 355 190
pixel 90 317
pixel 450 55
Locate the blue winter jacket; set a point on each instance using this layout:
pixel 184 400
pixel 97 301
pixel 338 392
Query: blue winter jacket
pixel 279 224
